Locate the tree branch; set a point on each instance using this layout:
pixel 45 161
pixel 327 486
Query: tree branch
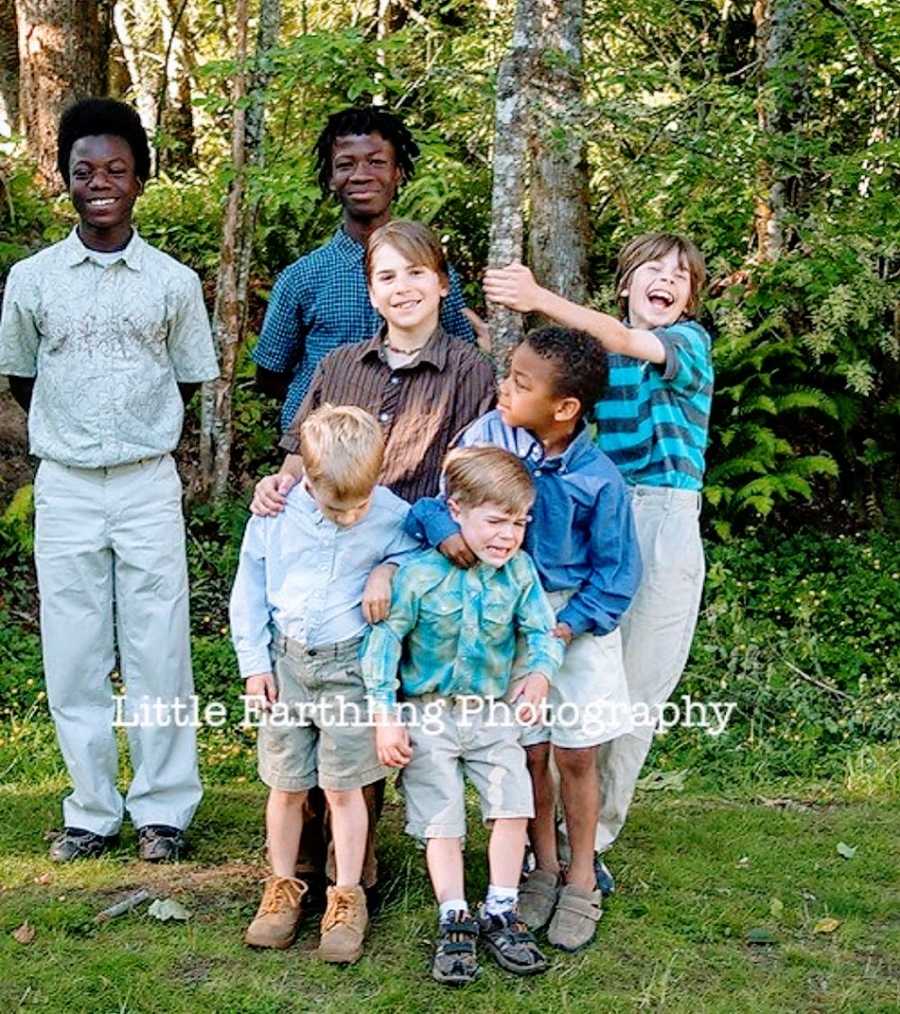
pixel 863 43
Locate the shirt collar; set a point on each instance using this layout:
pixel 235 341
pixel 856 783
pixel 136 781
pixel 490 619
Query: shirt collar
pixel 347 247
pixel 581 440
pixel 77 253
pixel 434 353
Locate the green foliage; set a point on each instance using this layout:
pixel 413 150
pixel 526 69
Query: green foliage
pixel 803 634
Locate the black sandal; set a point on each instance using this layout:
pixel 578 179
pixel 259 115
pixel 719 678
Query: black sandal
pixel 511 943
pixel 455 960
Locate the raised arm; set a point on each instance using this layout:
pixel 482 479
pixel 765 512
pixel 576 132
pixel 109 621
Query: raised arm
pixel 514 286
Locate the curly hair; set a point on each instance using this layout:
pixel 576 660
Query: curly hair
pixel 364 120
pixel 579 363
pixel 91 117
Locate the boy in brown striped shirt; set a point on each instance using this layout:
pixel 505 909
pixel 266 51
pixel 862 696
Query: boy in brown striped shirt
pixel 422 385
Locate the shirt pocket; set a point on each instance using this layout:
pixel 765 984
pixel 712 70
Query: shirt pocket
pixel 441 617
pixel 497 621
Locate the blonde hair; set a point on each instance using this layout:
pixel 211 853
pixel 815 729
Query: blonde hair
pixel 342 447
pixel 415 241
pixel 477 475
pixel 650 247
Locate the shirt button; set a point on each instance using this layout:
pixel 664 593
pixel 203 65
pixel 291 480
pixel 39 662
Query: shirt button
pixel 537 471
pixel 384 416
pixel 395 380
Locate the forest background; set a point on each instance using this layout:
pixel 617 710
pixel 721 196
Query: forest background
pixel 769 131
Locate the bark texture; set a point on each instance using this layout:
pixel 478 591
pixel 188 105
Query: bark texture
pixel 780 104
pixel 229 313
pixel 511 133
pixel 9 68
pixel 62 58
pixel 559 232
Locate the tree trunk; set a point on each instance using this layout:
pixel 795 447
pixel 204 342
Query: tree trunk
pixel 62 58
pixel 779 105
pixel 137 28
pixel 559 232
pixel 9 68
pixel 511 164
pixel 175 113
pixel 229 314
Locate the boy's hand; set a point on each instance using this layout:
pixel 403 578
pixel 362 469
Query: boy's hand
pixel 530 696
pixel 513 286
pixel 392 743
pixel 376 600
pixel 262 685
pixel 564 632
pixel 270 494
pixel 482 331
pixel 457 551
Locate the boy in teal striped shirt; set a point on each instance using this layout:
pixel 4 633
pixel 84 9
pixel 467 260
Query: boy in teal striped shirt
pixel 653 423
pixel 451 636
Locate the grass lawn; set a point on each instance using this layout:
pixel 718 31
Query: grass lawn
pixel 699 875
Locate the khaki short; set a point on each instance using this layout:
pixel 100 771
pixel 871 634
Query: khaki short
pixel 588 703
pixel 318 731
pixel 451 738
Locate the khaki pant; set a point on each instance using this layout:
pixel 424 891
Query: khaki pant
pixel 112 575
pixel 656 635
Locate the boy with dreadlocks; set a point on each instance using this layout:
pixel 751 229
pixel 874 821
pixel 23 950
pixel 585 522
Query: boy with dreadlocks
pixel 321 301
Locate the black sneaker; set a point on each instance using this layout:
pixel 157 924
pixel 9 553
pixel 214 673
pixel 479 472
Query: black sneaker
pixel 160 843
pixel 76 843
pixel 605 882
pixel 511 943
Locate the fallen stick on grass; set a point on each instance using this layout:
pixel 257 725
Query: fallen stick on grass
pixel 126 905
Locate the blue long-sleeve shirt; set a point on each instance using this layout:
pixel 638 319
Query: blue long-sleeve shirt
pixel 581 534
pixel 303 573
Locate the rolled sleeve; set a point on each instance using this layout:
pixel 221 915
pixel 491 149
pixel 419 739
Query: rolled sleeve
pixel 19 335
pixel 190 344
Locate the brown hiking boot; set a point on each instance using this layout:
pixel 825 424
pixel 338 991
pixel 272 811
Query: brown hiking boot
pixel 344 925
pixel 278 915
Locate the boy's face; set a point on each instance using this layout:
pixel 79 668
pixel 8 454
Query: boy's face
pixel 343 513
pixel 102 182
pixel 493 533
pixel 364 174
pixel 527 395
pixel 658 291
pixel 407 295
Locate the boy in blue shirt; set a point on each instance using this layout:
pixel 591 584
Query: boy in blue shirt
pixel 583 543
pixel 299 605
pixel 451 634
pixel 653 423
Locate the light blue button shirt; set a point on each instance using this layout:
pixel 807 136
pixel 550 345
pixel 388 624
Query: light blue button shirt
pixel 306 575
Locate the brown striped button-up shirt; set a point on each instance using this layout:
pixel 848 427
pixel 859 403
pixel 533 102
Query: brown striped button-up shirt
pixel 421 406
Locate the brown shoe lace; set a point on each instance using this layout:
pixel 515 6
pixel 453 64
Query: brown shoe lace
pixel 340 909
pixel 281 893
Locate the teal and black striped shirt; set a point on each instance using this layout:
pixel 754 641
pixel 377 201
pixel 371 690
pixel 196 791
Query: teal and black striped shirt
pixel 653 419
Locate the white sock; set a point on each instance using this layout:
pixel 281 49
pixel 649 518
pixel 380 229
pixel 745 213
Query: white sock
pixel 451 907
pixel 500 899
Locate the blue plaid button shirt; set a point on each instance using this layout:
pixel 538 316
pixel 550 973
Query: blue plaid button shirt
pixel 322 301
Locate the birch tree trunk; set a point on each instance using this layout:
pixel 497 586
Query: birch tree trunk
pixel 229 313
pixel 9 68
pixel 559 232
pixel 779 105
pixel 511 165
pixel 138 31
pixel 62 58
